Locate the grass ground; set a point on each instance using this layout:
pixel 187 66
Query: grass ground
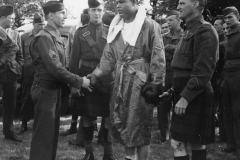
pixel 20 151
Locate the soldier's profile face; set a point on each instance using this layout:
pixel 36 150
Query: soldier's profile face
pixel 125 8
pixel 164 28
pixel 59 18
pixel 9 20
pixel 225 29
pixel 231 19
pixel 186 8
pixel 218 25
pixel 96 14
pixel 38 26
pixel 172 22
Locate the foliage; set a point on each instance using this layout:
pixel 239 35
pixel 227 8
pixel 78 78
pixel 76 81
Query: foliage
pixel 161 6
pixel 24 9
pixel 216 6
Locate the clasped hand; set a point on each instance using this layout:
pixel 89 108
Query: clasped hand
pixel 180 107
pixel 86 84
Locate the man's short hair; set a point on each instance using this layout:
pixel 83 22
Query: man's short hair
pixel 229 10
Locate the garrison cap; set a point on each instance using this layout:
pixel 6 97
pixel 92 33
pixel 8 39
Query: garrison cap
pixel 94 3
pixel 219 17
pixel 6 10
pixel 228 10
pixel 38 18
pixel 108 17
pixel 53 6
pixel 172 12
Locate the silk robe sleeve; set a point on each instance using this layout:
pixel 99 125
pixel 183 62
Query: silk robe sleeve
pixel 107 62
pixel 158 62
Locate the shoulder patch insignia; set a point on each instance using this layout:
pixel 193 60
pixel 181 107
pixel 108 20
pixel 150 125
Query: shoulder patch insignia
pixel 52 54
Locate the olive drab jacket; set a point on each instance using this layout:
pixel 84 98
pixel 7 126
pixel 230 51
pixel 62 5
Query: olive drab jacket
pixel 170 43
pixel 81 49
pixel 10 56
pixel 28 68
pixel 196 56
pixel 232 50
pixel 47 51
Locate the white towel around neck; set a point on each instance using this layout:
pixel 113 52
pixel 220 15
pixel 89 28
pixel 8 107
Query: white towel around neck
pixel 118 23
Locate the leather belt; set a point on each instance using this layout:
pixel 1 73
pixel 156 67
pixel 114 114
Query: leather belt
pixel 46 84
pixel 89 64
pixel 233 62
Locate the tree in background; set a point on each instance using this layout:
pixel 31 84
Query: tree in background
pixel 24 9
pixel 216 6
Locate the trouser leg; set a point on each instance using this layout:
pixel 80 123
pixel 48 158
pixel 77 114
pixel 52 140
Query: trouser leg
pixel 9 106
pixel 228 116
pixel 163 119
pixel 222 130
pixel 46 123
pixel 235 94
pixel 27 103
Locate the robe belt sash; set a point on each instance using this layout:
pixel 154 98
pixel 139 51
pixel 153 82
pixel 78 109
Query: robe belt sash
pixel 130 67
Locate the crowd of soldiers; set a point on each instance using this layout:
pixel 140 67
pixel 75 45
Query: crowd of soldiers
pixel 119 68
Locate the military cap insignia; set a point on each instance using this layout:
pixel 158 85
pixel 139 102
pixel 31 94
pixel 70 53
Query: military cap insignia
pixel 52 54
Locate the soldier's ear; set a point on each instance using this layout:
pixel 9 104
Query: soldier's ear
pixel 196 4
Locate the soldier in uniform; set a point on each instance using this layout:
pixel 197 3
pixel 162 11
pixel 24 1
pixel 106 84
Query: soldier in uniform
pixel 11 61
pixel 88 44
pixel 73 127
pixel 134 54
pixel 165 28
pixel 106 19
pixel 217 78
pixel 170 41
pixel 193 63
pixel 47 51
pixel 230 85
pixel 28 72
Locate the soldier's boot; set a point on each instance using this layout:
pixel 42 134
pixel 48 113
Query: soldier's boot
pixel 23 128
pixel 88 136
pixel 71 130
pixel 182 158
pixel 108 147
pixel 199 154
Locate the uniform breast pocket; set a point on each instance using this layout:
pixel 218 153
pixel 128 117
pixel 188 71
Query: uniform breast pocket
pixel 186 46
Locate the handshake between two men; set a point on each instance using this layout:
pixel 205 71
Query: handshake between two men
pixel 152 93
pixel 88 83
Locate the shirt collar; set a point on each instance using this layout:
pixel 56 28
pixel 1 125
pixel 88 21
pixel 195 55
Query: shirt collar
pixel 194 21
pixel 235 29
pixel 53 31
pixel 91 24
pixel 177 34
